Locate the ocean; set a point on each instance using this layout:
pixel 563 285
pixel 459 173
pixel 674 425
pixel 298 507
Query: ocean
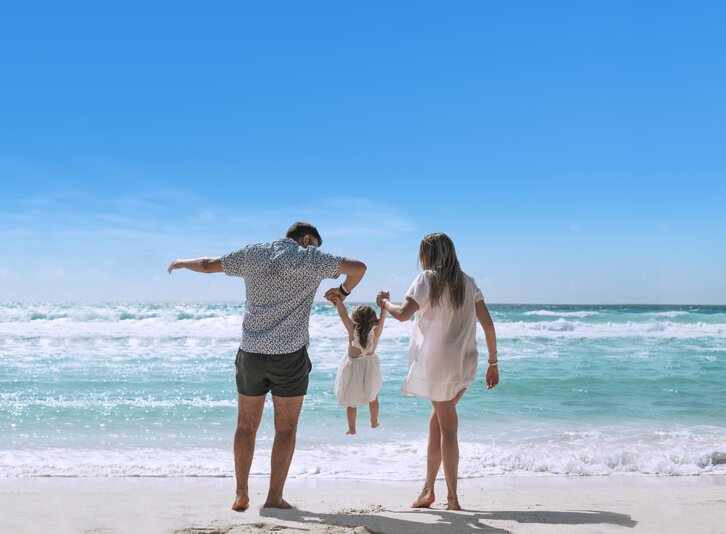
pixel 148 390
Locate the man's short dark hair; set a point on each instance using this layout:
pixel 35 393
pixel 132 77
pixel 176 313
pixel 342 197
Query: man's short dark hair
pixel 300 229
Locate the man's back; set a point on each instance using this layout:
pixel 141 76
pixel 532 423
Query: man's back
pixel 281 279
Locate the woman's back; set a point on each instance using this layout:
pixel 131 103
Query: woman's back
pixel 443 351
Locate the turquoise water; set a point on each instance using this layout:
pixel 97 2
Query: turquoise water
pixel 148 389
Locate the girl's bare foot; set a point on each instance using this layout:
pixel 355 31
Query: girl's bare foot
pixel 425 500
pixel 277 503
pixel 350 432
pixel 241 503
pixel 375 424
pixel 452 503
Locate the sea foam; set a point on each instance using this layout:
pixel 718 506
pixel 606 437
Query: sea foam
pixel 380 460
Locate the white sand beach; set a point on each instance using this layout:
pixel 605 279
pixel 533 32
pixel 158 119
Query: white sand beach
pixel 492 505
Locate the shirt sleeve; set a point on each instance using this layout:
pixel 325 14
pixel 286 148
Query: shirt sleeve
pixel 478 295
pixel 327 265
pixel 419 290
pixel 235 263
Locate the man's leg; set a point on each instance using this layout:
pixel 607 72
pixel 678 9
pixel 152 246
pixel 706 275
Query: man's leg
pixel 287 413
pixel 249 415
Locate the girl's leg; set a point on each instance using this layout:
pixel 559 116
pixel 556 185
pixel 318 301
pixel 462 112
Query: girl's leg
pixel 433 461
pixel 373 407
pixel 449 426
pixel 352 414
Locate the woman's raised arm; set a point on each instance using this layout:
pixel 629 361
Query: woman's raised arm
pixel 400 312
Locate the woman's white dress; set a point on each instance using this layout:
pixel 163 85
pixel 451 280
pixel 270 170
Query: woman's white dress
pixel 359 377
pixel 443 356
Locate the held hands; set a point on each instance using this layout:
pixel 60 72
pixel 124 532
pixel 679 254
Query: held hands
pixel 492 377
pixel 334 295
pixel 382 295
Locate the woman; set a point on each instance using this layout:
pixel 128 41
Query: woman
pixel 443 355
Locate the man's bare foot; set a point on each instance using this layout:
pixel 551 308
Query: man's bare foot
pixel 453 504
pixel 350 433
pixel 241 503
pixel 277 503
pixel 375 424
pixel 425 500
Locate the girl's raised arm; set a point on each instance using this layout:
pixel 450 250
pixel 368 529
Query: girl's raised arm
pixel 379 327
pixel 344 317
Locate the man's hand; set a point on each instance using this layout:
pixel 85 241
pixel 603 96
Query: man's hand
pixel 173 265
pixel 382 295
pixel 492 376
pixel 334 293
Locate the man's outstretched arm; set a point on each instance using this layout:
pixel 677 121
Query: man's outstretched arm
pixel 199 265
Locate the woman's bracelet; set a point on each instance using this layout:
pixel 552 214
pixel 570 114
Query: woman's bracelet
pixel 493 364
pixel 344 291
pixel 496 360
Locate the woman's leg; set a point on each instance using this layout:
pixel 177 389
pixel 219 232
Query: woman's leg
pixel 433 461
pixel 352 414
pixel 449 426
pixel 373 407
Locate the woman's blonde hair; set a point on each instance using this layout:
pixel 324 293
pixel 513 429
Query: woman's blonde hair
pixel 364 320
pixel 437 254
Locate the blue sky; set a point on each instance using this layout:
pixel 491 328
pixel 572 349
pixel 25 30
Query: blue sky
pixel 576 152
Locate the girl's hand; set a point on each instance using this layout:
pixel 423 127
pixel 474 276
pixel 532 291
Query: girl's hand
pixel 382 295
pixel 492 377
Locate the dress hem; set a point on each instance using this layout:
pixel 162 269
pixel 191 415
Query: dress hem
pixel 431 391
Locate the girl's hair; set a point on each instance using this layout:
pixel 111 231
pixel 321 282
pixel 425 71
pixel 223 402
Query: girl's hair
pixel 437 254
pixel 364 319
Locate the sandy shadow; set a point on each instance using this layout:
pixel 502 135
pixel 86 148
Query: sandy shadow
pixel 436 521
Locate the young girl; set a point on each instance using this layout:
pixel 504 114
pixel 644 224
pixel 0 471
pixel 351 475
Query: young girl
pixel 443 355
pixel 359 375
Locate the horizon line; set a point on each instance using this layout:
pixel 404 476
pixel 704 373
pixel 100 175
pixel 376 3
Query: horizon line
pixel 236 302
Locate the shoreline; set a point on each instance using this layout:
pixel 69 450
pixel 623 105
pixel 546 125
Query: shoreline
pixel 333 479
pixel 546 504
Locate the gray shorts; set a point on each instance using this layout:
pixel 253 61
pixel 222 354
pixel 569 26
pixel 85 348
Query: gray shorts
pixel 286 375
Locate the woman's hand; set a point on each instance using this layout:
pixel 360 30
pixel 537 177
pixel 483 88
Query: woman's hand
pixel 173 265
pixel 492 377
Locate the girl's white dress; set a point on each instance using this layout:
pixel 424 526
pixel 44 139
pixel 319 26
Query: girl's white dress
pixel 359 377
pixel 442 357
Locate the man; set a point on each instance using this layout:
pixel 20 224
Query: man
pixel 281 279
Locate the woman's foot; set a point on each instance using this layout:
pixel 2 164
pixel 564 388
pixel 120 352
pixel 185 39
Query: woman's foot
pixel 375 424
pixel 425 500
pixel 241 503
pixel 351 432
pixel 277 503
pixel 452 503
